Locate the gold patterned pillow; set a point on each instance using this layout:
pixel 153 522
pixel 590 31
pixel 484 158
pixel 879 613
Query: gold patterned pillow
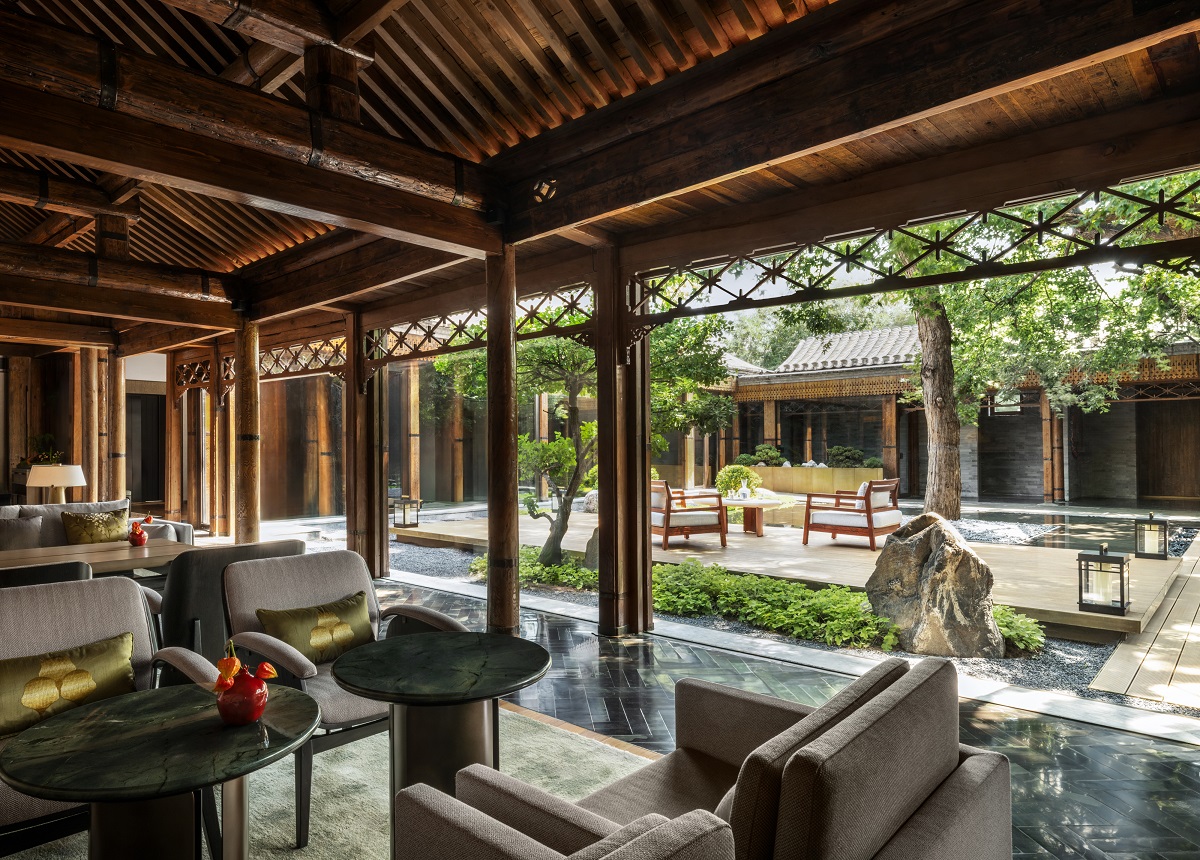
pixel 322 633
pixel 96 527
pixel 34 688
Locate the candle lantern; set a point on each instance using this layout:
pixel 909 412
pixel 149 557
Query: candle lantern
pixel 1150 537
pixel 406 512
pixel 1104 581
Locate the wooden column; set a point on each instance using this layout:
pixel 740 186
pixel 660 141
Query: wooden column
pixel 542 423
pixel 503 587
pixel 248 439
pixel 1047 450
pixel 194 477
pixel 365 452
pixel 89 422
pixel 20 370
pixel 103 416
pixel 622 451
pixel 1058 484
pixel 329 488
pixel 891 453
pixel 116 427
pixel 77 494
pixel 456 448
pixel 770 424
pixel 687 453
pixel 229 467
pixel 173 465
pixel 412 429
pixel 218 519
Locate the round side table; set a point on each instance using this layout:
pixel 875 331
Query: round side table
pixel 141 759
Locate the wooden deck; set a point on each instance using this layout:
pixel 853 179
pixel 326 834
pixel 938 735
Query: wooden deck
pixel 1038 581
pixel 1162 662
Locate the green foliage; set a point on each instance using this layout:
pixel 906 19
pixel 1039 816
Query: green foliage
pixel 745 460
pixel 844 457
pixel 873 463
pixel 834 615
pixel 530 571
pixel 768 455
pixel 730 478
pixel 1022 634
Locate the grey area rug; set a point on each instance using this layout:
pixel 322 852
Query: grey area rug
pixel 350 787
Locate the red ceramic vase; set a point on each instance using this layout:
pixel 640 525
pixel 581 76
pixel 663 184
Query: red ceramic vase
pixel 137 538
pixel 242 703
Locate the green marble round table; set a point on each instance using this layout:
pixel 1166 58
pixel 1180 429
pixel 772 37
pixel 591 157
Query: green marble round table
pixel 443 689
pixel 141 760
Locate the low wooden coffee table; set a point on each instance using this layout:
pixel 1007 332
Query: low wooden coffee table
pixel 752 521
pixel 112 557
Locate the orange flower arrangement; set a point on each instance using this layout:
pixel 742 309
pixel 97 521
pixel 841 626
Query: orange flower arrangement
pixel 241 696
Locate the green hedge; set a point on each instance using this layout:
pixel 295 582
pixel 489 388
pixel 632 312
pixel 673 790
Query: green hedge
pixel 532 572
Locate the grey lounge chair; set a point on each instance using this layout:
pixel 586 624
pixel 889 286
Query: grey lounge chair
pixel 311 580
pixel 431 824
pixel 40 574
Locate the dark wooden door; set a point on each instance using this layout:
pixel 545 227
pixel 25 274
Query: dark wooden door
pixel 1168 449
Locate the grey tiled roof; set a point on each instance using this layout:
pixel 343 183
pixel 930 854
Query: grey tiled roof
pixel 897 346
pixel 737 366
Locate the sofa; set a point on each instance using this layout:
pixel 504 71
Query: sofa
pixel 54 534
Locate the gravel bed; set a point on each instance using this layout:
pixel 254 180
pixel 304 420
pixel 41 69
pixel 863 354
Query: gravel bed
pixel 1180 540
pixel 986 531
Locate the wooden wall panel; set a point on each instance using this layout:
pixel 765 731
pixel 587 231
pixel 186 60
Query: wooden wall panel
pixel 1168 437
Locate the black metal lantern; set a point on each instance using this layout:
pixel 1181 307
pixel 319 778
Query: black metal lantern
pixel 1151 537
pixel 406 512
pixel 1104 581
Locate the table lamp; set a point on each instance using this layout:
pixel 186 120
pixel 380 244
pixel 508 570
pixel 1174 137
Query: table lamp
pixel 57 478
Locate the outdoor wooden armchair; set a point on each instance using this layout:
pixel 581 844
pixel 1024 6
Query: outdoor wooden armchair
pixel 871 511
pixel 675 512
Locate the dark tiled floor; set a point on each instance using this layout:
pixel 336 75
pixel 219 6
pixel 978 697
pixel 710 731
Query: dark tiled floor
pixel 1078 790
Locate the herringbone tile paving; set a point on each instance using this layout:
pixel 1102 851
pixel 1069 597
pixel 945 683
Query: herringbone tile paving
pixel 1078 790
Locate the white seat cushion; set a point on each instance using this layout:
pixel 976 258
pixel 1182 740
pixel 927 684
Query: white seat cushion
pixel 687 518
pixel 854 520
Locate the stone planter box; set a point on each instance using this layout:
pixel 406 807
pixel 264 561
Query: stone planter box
pixel 799 480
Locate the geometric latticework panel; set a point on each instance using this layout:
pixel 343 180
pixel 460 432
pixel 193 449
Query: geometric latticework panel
pixel 830 387
pixel 1177 367
pixel 1150 222
pixel 1167 390
pixel 193 374
pixel 326 355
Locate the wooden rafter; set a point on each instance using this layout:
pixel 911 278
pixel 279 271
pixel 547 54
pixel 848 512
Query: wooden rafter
pixel 119 304
pixel 62 334
pixel 67 196
pixel 290 24
pixel 155 337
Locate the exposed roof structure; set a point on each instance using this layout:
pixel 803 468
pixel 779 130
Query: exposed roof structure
pixel 892 348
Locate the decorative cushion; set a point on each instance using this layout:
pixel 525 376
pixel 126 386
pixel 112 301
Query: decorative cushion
pixel 53 533
pixel 321 633
pixel 862 495
pixel 855 520
pixel 164 531
pixel 34 688
pixel 881 499
pixel 691 519
pixel 95 527
pixel 20 534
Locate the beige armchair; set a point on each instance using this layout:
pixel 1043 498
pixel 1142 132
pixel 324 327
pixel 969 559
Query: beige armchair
pixel 675 512
pixel 871 512
pixel 431 824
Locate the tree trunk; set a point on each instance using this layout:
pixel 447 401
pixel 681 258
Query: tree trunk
pixel 552 549
pixel 943 493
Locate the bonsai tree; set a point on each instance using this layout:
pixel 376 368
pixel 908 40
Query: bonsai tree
pixel 844 457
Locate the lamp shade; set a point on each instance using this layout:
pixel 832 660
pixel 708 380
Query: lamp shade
pixel 56 476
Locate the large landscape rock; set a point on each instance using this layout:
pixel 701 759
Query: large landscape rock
pixel 591 555
pixel 936 590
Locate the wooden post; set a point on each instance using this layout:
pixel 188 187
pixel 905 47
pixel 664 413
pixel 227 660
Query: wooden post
pixel 623 458
pixel 325 443
pixel 456 448
pixel 229 467
pixel 770 424
pixel 687 453
pixel 195 462
pixel 1058 488
pixel 116 427
pixel 173 466
pixel 891 454
pixel 542 421
pixel 77 494
pixel 103 416
pixel 218 523
pixel 249 440
pixel 1047 450
pixel 503 587
pixel 412 430
pixel 89 422
pixel 311 478
pixel 365 451
pixel 20 370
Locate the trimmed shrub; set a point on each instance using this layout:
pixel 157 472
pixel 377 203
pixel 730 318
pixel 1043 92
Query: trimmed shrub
pixel 745 460
pixel 530 571
pixel 768 455
pixel 844 457
pixel 873 463
pixel 730 478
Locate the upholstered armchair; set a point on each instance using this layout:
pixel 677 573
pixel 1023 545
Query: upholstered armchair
pixel 40 574
pixel 732 747
pixel 431 824
pixel 675 512
pixel 309 581
pixel 191 608
pixel 57 616
pixel 871 512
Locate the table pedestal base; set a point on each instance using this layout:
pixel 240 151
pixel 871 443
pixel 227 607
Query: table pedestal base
pixel 167 828
pixel 431 744
pixel 235 820
pixel 752 520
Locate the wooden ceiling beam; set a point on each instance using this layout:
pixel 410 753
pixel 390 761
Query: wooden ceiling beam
pixel 876 64
pixel 96 272
pixel 93 137
pixel 27 350
pixel 153 337
pixel 60 334
pixel 118 304
pixel 58 229
pixel 68 196
pixel 289 24
pixel 59 62
pixel 347 276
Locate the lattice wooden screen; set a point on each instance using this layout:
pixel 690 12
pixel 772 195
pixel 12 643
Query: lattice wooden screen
pixel 326 355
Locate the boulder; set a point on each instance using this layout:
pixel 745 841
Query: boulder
pixel 936 590
pixel 591 502
pixel 591 554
